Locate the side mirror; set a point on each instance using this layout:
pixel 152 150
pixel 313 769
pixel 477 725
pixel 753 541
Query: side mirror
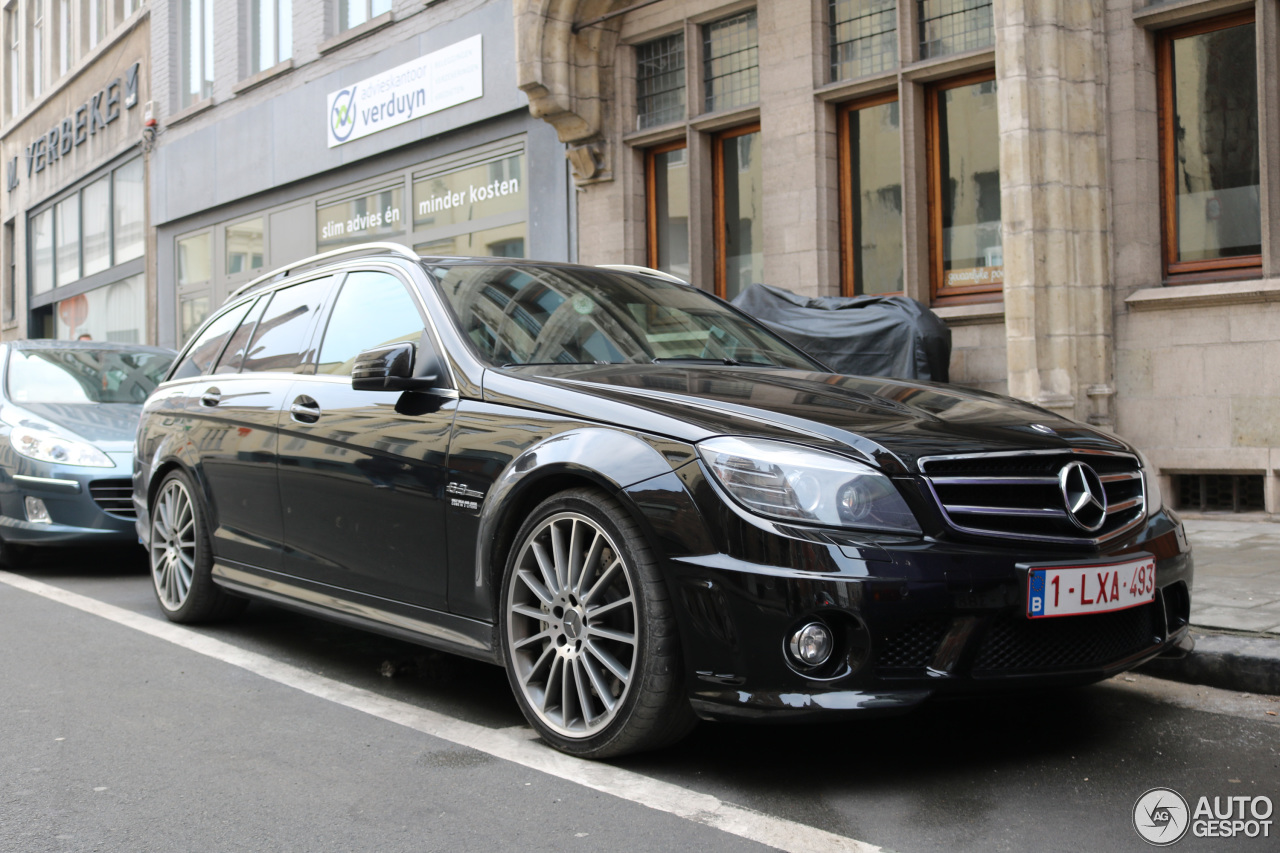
pixel 398 367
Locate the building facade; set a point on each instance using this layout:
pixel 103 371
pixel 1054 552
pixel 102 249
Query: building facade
pixel 289 127
pixel 1088 191
pixel 74 88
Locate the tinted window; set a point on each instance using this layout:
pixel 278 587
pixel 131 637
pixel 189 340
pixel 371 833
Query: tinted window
pixel 374 308
pixel 524 315
pixel 285 327
pixel 233 355
pixel 201 354
pixel 84 375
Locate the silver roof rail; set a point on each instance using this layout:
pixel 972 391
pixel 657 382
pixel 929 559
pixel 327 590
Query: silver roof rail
pixel 643 271
pixel 360 249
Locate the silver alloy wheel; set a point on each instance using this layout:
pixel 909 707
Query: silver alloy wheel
pixel 173 544
pixel 572 625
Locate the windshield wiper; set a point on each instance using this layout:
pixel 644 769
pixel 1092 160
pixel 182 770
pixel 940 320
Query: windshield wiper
pixel 693 359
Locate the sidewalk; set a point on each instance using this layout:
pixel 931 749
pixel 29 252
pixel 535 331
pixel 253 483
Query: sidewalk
pixel 1235 605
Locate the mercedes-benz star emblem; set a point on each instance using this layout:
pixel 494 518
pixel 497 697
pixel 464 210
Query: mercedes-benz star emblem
pixel 1084 496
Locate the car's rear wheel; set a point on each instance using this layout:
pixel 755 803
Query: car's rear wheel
pixel 588 637
pixel 181 558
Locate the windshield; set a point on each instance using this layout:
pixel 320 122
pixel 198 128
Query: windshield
pixel 542 315
pixel 84 375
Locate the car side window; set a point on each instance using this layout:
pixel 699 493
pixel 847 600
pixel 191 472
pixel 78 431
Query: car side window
pixel 201 354
pixel 285 328
pixel 374 308
pixel 233 355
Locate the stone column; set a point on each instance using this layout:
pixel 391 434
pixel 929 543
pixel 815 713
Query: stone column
pixel 1051 68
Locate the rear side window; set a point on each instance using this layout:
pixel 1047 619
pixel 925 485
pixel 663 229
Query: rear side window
pixel 373 309
pixel 233 355
pixel 201 354
pixel 285 328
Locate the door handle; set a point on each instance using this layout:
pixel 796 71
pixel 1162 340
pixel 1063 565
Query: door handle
pixel 212 397
pixel 304 410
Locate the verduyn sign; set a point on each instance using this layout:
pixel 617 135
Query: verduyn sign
pixel 428 84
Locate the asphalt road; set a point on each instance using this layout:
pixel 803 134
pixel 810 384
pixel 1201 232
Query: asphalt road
pixel 281 732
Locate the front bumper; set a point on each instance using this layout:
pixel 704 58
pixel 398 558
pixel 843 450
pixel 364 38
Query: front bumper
pixel 914 619
pixel 86 506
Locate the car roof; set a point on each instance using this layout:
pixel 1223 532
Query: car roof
pixel 99 346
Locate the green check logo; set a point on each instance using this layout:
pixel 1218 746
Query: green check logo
pixel 342 116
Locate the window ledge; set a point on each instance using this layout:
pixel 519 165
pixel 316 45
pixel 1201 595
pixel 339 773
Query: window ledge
pixel 357 32
pixel 655 135
pixel 942 67
pixel 843 90
pixel 977 314
pixel 726 118
pixel 1204 295
pixel 190 112
pixel 1159 15
pixel 263 76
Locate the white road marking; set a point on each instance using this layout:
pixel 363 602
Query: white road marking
pixel 511 745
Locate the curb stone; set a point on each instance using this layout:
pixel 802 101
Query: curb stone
pixel 1228 661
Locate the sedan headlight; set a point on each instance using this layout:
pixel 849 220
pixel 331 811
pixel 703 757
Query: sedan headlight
pixel 1150 484
pixel 47 446
pixel 780 480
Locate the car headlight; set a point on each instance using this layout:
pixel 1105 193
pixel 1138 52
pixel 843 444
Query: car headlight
pixel 1150 484
pixel 780 480
pixel 47 446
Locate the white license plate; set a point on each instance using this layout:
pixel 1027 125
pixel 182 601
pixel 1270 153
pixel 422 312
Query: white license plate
pixel 1073 590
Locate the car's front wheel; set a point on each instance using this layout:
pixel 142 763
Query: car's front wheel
pixel 181 557
pixel 588 636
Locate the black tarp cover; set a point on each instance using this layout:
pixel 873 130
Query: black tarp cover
pixel 863 335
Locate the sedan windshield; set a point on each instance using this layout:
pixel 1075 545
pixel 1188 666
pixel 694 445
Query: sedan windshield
pixel 532 315
pixel 84 375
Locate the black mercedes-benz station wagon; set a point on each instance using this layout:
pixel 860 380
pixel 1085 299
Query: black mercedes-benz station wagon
pixel 641 503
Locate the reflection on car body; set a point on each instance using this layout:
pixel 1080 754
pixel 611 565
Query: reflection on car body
pixel 644 505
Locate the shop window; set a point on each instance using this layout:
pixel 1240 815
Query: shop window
pixel 270 33
pixel 478 210
pixel 195 51
pixel 864 37
pixel 871 197
pixel 739 202
pixel 731 71
pixel 94 20
pixel 195 256
pixel 660 81
pixel 115 312
pixel 192 311
pixel 954 26
pixel 373 216
pixel 244 242
pixel 35 46
pixel 42 251
pixel 1208 77
pixel 66 236
pixel 96 206
pixel 129 231
pixel 10 272
pixel 966 248
pixel 353 13
pixel 12 60
pixel 667 193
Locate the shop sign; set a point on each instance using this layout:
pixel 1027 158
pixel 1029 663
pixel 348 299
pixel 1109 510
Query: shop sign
pixel 75 129
pixel 468 194
pixel 428 84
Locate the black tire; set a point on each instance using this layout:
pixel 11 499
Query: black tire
pixel 181 558
pixel 565 638
pixel 13 556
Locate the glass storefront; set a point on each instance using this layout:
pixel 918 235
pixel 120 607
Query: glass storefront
pixel 116 313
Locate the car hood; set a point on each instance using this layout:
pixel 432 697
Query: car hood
pixel 109 426
pixel 892 422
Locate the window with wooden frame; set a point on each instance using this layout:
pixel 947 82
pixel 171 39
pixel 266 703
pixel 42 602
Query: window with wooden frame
pixel 966 255
pixel 871 247
pixel 667 201
pixel 1207 74
pixel 738 191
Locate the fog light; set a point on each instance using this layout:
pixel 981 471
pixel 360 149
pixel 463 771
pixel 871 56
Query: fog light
pixel 812 644
pixel 37 512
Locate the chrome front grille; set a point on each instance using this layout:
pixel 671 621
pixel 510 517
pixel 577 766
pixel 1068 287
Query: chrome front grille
pixel 114 497
pixel 1019 495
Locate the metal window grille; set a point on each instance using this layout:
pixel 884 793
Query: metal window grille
pixel 864 37
pixel 1222 492
pixel 954 26
pixel 731 70
pixel 660 81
